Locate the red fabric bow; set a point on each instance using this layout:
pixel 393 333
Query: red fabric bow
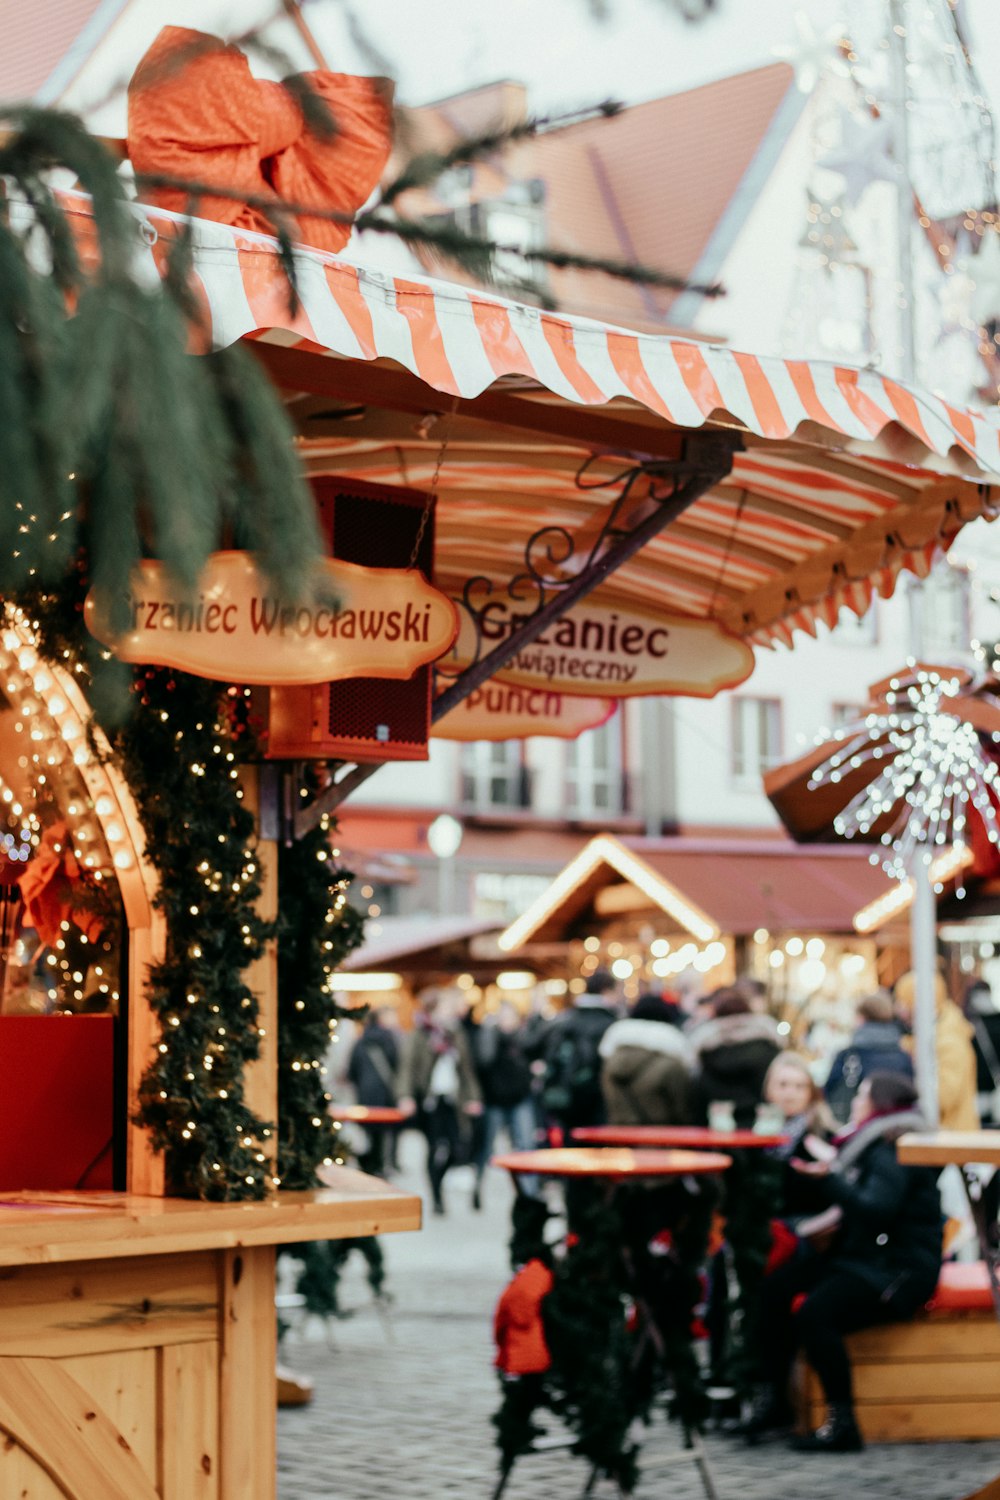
pixel 47 887
pixel 196 111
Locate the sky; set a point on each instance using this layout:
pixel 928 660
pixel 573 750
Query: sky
pixel 643 49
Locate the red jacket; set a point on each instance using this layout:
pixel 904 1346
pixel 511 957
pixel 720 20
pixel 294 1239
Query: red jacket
pixel 517 1323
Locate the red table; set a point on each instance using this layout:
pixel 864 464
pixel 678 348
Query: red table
pixel 617 1165
pixel 693 1137
pixel 368 1114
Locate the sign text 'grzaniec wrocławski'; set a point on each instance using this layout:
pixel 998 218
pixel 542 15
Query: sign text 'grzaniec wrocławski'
pixel 602 651
pixel 376 622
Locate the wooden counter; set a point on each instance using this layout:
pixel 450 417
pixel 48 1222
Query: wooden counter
pixel 943 1148
pixel 137 1336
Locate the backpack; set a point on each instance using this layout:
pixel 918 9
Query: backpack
pixel 573 1072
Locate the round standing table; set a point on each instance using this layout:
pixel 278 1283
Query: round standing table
pixel 752 1187
pixel 614 1261
pixel 368 1114
pixel 612 1165
pixel 690 1137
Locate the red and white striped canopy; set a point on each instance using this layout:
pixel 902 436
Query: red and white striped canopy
pixel 846 477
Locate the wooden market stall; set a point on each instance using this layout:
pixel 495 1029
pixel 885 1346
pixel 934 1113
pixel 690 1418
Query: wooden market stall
pixel 138 1352
pixel 717 907
pixel 611 512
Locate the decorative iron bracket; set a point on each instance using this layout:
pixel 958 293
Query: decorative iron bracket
pixel 706 460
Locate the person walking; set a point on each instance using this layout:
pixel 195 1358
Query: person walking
pixel 733 1049
pixel 876 1046
pixel 647 1065
pixel 882 1266
pixel 504 1071
pixel 956 1057
pixel 984 1018
pixel 371 1071
pixel 438 1084
pixel 571 1087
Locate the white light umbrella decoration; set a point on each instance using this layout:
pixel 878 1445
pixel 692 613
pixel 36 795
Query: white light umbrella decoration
pixel 932 769
pixel 924 746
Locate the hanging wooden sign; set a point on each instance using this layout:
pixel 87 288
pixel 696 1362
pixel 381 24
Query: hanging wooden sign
pixel 385 622
pixel 595 650
pixel 498 711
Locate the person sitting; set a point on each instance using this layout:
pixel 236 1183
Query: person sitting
pixel 875 1047
pixel 882 1265
pixel 647 1066
pixel 733 1049
pixel 790 1087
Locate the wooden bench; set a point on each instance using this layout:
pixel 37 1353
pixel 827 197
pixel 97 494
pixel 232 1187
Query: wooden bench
pixel 929 1380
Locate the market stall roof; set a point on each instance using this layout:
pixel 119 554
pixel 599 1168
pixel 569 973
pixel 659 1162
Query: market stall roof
pixel 409 940
pixel 702 888
pixel 841 477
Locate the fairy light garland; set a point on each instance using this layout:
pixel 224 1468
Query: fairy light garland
pixel 930 769
pixel 317 928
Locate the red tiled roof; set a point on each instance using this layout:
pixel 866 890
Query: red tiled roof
pixel 782 887
pixel 36 39
pixel 736 884
pixel 653 185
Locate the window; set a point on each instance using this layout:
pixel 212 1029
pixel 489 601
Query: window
pixel 493 775
pixel 944 605
pixel 857 630
pixel 594 771
pixel 842 714
pixel 756 736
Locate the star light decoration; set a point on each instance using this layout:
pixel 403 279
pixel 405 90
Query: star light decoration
pixel 864 154
pixel 929 768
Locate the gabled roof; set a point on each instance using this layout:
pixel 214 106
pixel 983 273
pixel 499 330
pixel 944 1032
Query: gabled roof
pixel 702 887
pixel 46 44
pixel 667 183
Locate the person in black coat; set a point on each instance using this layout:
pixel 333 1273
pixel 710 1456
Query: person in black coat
pixel 733 1050
pixel 372 1070
pixel 882 1265
pixel 875 1047
pixel 571 1086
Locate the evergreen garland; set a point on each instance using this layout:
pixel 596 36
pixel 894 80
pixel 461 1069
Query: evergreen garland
pixel 179 757
pixel 316 930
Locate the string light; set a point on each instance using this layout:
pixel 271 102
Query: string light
pixel 929 768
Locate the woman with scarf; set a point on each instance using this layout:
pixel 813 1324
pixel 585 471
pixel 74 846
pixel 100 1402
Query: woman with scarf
pixel 437 1082
pixel 881 1266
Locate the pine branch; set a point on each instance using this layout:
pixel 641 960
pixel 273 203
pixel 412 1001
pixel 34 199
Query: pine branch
pixel 426 168
pixel 472 252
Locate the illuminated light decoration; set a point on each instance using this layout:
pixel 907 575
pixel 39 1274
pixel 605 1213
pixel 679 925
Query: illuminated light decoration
pixel 607 850
pixel 362 983
pixel 900 896
pixel 622 968
pixel 930 771
pixel 519 979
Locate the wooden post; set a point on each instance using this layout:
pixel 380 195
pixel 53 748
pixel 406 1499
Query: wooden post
pixel 247 1379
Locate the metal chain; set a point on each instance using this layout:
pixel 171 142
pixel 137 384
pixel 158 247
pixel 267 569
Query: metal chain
pixel 432 493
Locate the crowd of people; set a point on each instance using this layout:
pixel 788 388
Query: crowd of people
pixel 857 1235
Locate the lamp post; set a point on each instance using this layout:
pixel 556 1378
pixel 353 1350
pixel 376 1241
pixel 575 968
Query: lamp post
pixel 444 838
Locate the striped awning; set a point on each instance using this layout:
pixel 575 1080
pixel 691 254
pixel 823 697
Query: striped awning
pixel 845 477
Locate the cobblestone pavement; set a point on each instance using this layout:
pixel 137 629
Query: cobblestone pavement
pixel 402 1407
